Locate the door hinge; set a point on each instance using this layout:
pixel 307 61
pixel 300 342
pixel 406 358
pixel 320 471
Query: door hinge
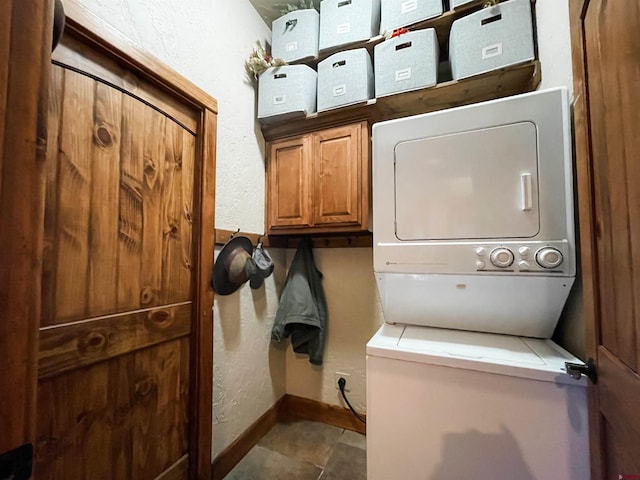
pixel 576 370
pixel 17 464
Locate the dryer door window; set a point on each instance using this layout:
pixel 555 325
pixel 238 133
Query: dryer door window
pixel 481 184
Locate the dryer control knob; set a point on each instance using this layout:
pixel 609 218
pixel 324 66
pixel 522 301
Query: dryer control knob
pixel 480 265
pixel 501 257
pixel 481 251
pixel 548 257
pixel 524 251
pixel 524 265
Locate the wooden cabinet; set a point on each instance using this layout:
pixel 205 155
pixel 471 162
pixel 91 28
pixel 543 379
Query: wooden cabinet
pixel 319 182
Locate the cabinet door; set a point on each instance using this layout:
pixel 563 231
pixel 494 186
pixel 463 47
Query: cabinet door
pixel 289 183
pixel 340 176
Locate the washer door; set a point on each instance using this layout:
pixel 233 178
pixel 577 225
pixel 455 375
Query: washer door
pixel 481 184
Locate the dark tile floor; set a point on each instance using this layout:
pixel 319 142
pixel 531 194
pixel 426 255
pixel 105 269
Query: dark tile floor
pixel 303 450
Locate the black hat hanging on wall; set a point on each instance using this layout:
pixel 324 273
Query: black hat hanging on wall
pixel 239 262
pixel 234 266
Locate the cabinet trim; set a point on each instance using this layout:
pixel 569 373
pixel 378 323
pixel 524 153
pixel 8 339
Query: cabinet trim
pixel 491 85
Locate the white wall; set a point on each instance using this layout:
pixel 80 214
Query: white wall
pixel 554 44
pixel 249 371
pixel 207 42
pixel 354 315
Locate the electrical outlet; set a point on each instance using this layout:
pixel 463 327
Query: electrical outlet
pixel 346 376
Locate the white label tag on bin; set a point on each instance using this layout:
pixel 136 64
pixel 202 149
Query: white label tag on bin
pixel 291 46
pixel 343 28
pixel 408 6
pixel 339 90
pixel 403 74
pixel 279 99
pixel 492 51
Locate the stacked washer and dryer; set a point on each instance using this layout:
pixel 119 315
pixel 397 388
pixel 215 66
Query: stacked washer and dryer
pixel 474 257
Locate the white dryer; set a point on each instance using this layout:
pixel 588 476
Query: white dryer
pixel 473 215
pixel 453 405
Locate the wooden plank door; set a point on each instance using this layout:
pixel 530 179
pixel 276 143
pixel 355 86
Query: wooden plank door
pixel 117 285
pixel 125 344
pixel 606 56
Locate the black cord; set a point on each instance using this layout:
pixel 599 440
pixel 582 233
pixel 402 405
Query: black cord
pixel 341 384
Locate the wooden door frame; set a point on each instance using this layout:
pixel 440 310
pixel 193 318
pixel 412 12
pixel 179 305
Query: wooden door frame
pixel 25 50
pixel 25 56
pixel 586 215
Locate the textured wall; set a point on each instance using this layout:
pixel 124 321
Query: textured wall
pixel 208 42
pixel 249 374
pixel 354 316
pixel 554 43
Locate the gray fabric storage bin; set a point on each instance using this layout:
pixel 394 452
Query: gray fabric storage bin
pixel 288 90
pixel 457 3
pixel 491 38
pixel 407 62
pixel 294 36
pixel 400 13
pixel 347 21
pixel 345 78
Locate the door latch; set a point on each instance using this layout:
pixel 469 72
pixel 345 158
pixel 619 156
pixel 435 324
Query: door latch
pixel 576 370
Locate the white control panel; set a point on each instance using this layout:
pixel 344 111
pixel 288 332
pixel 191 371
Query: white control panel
pixel 545 257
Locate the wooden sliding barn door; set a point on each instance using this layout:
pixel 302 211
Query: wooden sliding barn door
pixel 606 57
pixel 122 290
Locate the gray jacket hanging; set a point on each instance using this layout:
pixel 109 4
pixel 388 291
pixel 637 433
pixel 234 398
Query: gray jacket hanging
pixel 302 313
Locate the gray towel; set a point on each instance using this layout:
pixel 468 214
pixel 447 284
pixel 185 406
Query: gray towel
pixel 302 313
